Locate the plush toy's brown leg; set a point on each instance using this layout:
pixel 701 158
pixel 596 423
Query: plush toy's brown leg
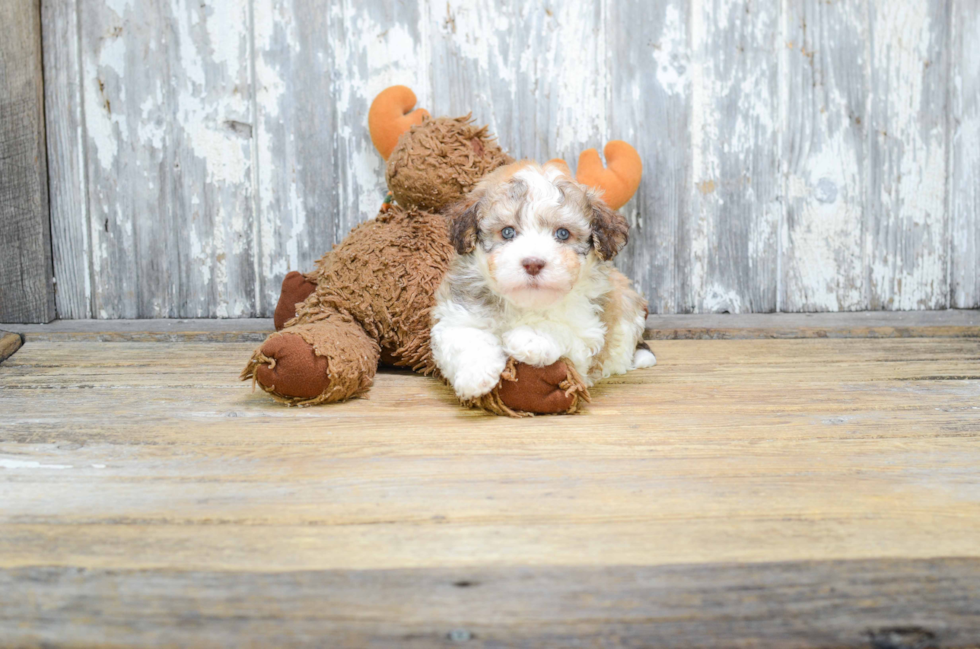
pixel 526 390
pixel 331 359
pixel 295 289
pixel 288 368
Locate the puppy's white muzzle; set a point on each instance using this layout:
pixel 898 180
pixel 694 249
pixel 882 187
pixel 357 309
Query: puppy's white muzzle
pixel 531 272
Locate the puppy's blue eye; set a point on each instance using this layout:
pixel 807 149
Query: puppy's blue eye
pixel 508 232
pixel 561 234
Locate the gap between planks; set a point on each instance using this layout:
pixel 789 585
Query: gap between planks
pixel 954 323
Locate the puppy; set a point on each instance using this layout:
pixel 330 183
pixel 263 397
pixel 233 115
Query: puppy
pixel 533 280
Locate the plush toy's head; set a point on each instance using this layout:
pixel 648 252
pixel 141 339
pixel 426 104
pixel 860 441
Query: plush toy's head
pixel 431 163
pixel 439 161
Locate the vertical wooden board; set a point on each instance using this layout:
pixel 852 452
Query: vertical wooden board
pixel 318 66
pixel 122 52
pixel 64 127
pixel 728 245
pixel 536 72
pixel 296 130
pixel 167 109
pixel 26 290
pixel 212 180
pixel 824 94
pixel 650 108
pixel 906 228
pixel 964 181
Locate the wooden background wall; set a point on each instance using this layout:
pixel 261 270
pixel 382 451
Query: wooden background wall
pixel 801 155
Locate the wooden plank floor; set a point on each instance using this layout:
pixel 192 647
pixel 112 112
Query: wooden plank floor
pixel 818 492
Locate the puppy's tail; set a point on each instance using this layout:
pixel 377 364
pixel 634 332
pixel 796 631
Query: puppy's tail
pixel 643 356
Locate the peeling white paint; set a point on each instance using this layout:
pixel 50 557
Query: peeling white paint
pixel 583 89
pixel 911 272
pixel 964 196
pixel 671 54
pixel 183 148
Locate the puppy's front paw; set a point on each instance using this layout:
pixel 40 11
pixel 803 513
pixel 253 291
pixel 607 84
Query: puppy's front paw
pixel 476 379
pixel 528 346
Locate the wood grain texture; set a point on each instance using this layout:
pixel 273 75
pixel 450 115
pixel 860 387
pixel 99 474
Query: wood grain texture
pixel 26 289
pixel 964 179
pixel 800 156
pixel 297 197
pixel 731 232
pixel 905 214
pixel 318 66
pixel 167 101
pixel 825 155
pixel 653 111
pixel 896 604
pixel 803 492
pixel 537 73
pixel 65 131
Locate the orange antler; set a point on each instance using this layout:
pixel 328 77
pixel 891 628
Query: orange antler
pixel 391 115
pixel 619 179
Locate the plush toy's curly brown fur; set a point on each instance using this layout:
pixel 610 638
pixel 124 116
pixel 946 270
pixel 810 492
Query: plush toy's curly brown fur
pixel 369 299
pixel 437 162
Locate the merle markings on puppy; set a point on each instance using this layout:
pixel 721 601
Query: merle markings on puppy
pixel 533 280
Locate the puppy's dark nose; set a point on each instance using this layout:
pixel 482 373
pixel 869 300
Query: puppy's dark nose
pixel 533 265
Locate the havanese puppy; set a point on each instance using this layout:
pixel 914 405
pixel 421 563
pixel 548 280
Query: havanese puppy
pixel 533 280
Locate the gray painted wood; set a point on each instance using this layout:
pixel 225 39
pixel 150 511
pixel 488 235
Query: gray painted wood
pixel 68 189
pixel 728 241
pixel 168 119
pixel 824 156
pixel 964 180
pixel 297 201
pixel 796 154
pixel 653 110
pixel 26 290
pixel 512 67
pixel 905 220
pixel 318 173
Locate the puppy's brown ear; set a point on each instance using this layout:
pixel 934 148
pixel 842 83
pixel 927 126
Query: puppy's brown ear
pixel 610 231
pixel 464 224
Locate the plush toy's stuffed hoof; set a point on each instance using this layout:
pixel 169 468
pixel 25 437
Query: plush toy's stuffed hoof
pixel 319 362
pixel 295 289
pixel 287 367
pixel 525 390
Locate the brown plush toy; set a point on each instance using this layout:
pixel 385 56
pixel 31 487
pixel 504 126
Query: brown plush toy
pixel 369 299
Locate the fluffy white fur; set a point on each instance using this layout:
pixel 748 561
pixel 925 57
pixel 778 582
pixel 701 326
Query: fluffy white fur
pixel 578 306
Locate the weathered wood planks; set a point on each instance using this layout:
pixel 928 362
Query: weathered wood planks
pixel 882 603
pixel 167 101
pixel 773 492
pixel 71 234
pixel 866 324
pixel 964 138
pixel 825 156
pixel 26 289
pixel 803 156
pixel 653 110
pixel 906 220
